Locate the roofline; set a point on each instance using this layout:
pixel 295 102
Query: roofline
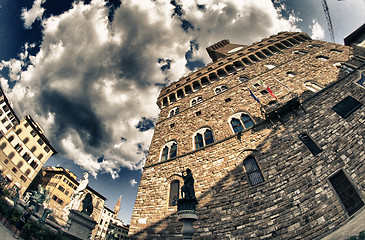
pixel 8 103
pixel 350 38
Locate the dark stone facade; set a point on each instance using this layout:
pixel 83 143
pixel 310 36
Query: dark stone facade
pixel 296 200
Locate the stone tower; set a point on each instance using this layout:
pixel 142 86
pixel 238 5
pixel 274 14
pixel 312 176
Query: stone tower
pixel 117 207
pixel 273 133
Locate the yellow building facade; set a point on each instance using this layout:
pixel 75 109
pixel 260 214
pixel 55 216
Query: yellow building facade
pixel 23 148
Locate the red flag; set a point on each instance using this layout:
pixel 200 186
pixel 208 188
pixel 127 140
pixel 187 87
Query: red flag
pixel 270 91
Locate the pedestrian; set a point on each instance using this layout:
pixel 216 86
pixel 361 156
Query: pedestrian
pixel 22 221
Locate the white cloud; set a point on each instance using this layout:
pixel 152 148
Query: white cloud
pixel 317 31
pixel 92 81
pixel 33 14
pixel 133 182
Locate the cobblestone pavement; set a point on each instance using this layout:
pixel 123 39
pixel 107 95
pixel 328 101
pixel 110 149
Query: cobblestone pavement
pixel 351 228
pixel 5 234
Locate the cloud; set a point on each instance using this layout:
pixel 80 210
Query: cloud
pixel 93 84
pixel 317 31
pixel 133 182
pixel 33 14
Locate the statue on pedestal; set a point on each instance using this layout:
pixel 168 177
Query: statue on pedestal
pixel 187 205
pixel 77 195
pixel 87 204
pixel 187 190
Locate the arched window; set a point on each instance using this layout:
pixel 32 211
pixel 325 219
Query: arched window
pixel 27 172
pixel 174 111
pixel 241 121
pixel 20 164
pixel 3 146
pixel 169 151
pixel 40 156
pixel 18 131
pixel 253 171
pixel 196 100
pixel 11 138
pixel 33 149
pixel 174 192
pixel 25 140
pixel 220 89
pixel 11 155
pixel 203 137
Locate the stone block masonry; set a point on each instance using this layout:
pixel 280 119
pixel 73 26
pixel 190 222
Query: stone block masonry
pixel 295 197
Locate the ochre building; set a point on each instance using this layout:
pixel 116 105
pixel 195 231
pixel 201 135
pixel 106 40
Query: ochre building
pixel 274 136
pixel 24 148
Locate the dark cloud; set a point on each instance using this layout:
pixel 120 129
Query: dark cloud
pixel 77 114
pixel 145 124
pixel 100 159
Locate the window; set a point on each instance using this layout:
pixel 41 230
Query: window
pixel 198 113
pixel 26 124
pixel 40 156
pixel 346 106
pixel 20 164
pixel 24 179
pixel 243 79
pixel 290 74
pixel 11 138
pixel 346 193
pixel 203 137
pixel 14 170
pixel 253 171
pixel 26 156
pixel 312 86
pixel 220 89
pixel 18 131
pixel 227 100
pixel 309 143
pixel 361 81
pixel 61 188
pixel 169 151
pixel 3 120
pixel 241 121
pixel 174 111
pixel 33 133
pixel 196 100
pixel 46 148
pixel 3 146
pixel 40 142
pixel 33 149
pixel 6 108
pixel 25 140
pixel 27 172
pixel 322 58
pixel 174 192
pixel 34 165
pixel 18 148
pixel 264 92
pixel 11 155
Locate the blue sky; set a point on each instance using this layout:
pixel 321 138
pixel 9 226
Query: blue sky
pixel 90 71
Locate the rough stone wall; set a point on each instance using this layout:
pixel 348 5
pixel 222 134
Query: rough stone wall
pixel 296 198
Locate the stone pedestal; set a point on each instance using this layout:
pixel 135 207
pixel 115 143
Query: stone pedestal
pixel 79 225
pixel 187 215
